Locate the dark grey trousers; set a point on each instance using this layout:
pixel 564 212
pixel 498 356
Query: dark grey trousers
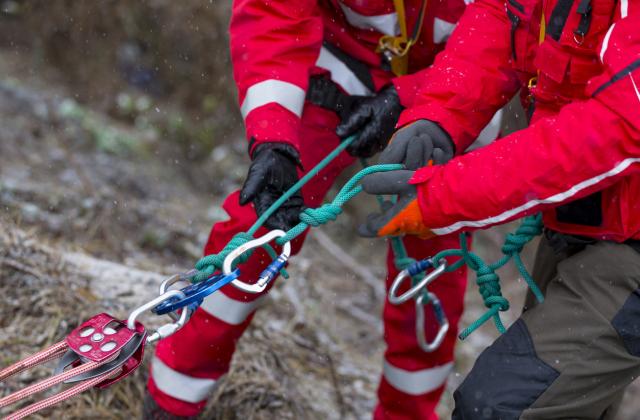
pixel 572 356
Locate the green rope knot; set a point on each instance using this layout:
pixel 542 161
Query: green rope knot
pixel 489 285
pixel 209 264
pixel 320 215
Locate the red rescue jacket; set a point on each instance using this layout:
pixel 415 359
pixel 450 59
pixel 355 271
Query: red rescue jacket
pixel 579 161
pixel 277 45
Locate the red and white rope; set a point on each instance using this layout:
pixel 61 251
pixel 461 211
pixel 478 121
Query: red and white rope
pixel 48 383
pixel 58 398
pixel 50 353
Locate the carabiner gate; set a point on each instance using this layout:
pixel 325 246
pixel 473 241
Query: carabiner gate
pixel 269 273
pixel 441 317
pixel 408 273
pixel 167 329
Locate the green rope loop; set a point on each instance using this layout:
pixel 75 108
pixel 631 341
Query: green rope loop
pixel 529 228
pixel 514 243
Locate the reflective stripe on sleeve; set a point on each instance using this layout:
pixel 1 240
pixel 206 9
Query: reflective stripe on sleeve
pixel 179 385
pixel 386 24
pixel 557 198
pixel 229 310
pixel 417 382
pixel 442 30
pixel 269 91
pixel 341 74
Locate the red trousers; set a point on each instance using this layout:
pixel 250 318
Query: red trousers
pixel 186 365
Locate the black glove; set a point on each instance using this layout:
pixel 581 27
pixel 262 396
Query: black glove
pixel 418 143
pixel 273 170
pixel 375 118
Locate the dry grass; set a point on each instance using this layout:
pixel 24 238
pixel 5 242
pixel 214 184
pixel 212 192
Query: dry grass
pixel 280 371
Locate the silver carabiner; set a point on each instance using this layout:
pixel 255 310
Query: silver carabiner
pixel 443 322
pixel 164 286
pixel 167 329
pixel 426 280
pixel 265 279
pixel 176 278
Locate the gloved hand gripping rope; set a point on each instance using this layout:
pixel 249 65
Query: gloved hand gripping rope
pixel 104 349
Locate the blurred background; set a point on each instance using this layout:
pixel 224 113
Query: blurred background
pixel 119 138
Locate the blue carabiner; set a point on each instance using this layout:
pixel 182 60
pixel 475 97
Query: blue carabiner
pixel 419 266
pixel 196 293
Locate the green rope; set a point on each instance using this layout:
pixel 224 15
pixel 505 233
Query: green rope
pixel 309 217
pixel 330 211
pixel 487 280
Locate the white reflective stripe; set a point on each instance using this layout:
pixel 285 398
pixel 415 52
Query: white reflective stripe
pixel 178 385
pixel 633 82
pixel 386 24
pixel 605 43
pixel 489 133
pixel 341 74
pixel 624 8
pixel 557 198
pixel 442 30
pixel 417 382
pixel 229 310
pixel 269 91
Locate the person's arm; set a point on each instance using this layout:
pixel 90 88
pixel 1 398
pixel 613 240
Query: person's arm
pixel 470 80
pixel 273 47
pixel 587 147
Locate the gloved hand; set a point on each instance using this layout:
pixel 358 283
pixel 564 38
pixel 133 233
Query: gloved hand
pixel 403 217
pixel 375 118
pixel 273 170
pixel 418 143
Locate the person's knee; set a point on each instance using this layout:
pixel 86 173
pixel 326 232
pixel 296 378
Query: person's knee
pixel 507 378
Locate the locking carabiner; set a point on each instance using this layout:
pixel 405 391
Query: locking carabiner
pixel 272 269
pixel 167 329
pixel 441 317
pixel 412 270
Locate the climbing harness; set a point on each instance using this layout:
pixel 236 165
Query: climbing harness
pixel 104 349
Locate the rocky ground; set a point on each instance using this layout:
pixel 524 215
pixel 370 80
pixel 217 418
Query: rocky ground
pixel 103 195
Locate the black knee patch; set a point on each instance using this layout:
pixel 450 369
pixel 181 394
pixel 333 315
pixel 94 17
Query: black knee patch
pixel 627 323
pixel 507 378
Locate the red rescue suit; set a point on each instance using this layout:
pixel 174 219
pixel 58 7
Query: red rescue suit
pixel 579 160
pixel 276 47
